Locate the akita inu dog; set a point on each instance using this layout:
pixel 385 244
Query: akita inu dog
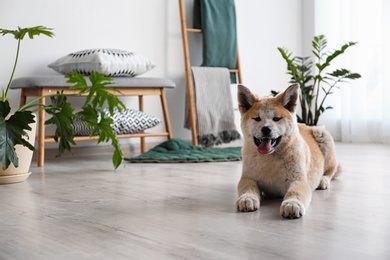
pixel 281 157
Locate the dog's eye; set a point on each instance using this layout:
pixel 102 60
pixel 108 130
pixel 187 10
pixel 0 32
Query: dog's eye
pixel 276 119
pixel 257 119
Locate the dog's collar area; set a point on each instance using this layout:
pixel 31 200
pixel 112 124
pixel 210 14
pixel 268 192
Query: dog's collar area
pixel 266 145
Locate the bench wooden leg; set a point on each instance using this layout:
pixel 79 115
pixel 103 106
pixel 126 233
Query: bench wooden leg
pixel 166 114
pixel 141 108
pixel 41 133
pixel 23 98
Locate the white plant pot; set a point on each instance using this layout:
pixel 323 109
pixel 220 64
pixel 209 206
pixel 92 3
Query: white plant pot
pixel 21 173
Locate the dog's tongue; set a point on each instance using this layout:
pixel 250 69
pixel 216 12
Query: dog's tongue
pixel 265 146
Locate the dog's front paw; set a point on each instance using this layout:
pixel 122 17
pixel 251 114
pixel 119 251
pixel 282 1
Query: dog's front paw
pixel 324 183
pixel 247 203
pixel 292 208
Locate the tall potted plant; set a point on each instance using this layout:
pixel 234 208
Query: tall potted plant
pixel 14 126
pixel 316 84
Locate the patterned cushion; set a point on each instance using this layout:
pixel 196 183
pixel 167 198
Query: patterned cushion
pixel 110 62
pixel 125 122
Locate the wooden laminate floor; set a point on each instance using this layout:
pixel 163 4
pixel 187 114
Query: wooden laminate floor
pixel 80 208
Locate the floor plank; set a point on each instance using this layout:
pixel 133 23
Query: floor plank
pixel 80 208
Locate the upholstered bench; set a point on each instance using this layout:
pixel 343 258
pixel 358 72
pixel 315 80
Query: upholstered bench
pixel 35 86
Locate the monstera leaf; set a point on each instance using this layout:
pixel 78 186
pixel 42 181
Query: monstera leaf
pixel 13 132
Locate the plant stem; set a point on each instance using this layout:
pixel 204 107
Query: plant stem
pixel 317 111
pixel 317 86
pixel 33 103
pixel 303 107
pixel 323 99
pixel 13 71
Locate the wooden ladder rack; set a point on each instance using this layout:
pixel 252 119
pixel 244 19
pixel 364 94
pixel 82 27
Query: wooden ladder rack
pixel 187 63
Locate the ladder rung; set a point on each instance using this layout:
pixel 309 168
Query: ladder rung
pixel 194 30
pixel 233 70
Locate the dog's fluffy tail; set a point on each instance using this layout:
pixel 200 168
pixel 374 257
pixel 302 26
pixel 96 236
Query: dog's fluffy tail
pixel 327 147
pixel 339 170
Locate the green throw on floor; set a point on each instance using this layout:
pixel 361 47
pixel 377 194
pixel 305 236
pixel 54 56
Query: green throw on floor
pixel 179 151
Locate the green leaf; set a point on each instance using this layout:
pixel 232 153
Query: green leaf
pixel 319 44
pixel 353 76
pixel 344 73
pixel 62 117
pixel 103 127
pixel 13 132
pixel 80 83
pixel 339 73
pixel 318 77
pixel 98 95
pixel 290 62
pixel 4 108
pixel 335 54
pixel 117 157
pixel 91 117
pixel 20 33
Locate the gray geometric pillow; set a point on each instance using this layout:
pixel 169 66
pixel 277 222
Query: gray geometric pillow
pixel 110 62
pixel 128 121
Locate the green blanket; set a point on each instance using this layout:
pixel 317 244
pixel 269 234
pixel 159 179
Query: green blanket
pixel 217 19
pixel 179 151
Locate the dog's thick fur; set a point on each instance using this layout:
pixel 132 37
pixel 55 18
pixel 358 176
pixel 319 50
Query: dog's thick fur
pixel 281 157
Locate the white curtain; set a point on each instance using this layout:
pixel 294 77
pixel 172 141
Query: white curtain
pixel 362 107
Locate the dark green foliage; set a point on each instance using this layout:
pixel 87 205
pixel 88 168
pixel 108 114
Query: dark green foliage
pixel 98 94
pixel 13 132
pixel 62 114
pixel 13 127
pixel 313 79
pixel 97 97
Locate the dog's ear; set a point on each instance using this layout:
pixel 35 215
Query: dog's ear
pixel 289 97
pixel 245 98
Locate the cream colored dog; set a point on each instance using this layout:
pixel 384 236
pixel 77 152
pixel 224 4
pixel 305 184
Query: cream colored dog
pixel 281 157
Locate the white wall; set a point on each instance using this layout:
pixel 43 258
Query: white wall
pixel 151 28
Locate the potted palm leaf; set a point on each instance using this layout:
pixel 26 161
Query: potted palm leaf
pixel 14 127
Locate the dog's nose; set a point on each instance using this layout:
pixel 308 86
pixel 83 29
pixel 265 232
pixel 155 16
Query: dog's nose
pixel 266 130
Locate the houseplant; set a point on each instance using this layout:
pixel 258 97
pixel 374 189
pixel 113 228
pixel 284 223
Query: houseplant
pixel 313 79
pixel 13 126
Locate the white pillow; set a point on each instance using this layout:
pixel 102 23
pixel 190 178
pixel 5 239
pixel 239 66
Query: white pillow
pixel 110 62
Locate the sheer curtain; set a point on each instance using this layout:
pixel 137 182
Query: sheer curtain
pixel 362 106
